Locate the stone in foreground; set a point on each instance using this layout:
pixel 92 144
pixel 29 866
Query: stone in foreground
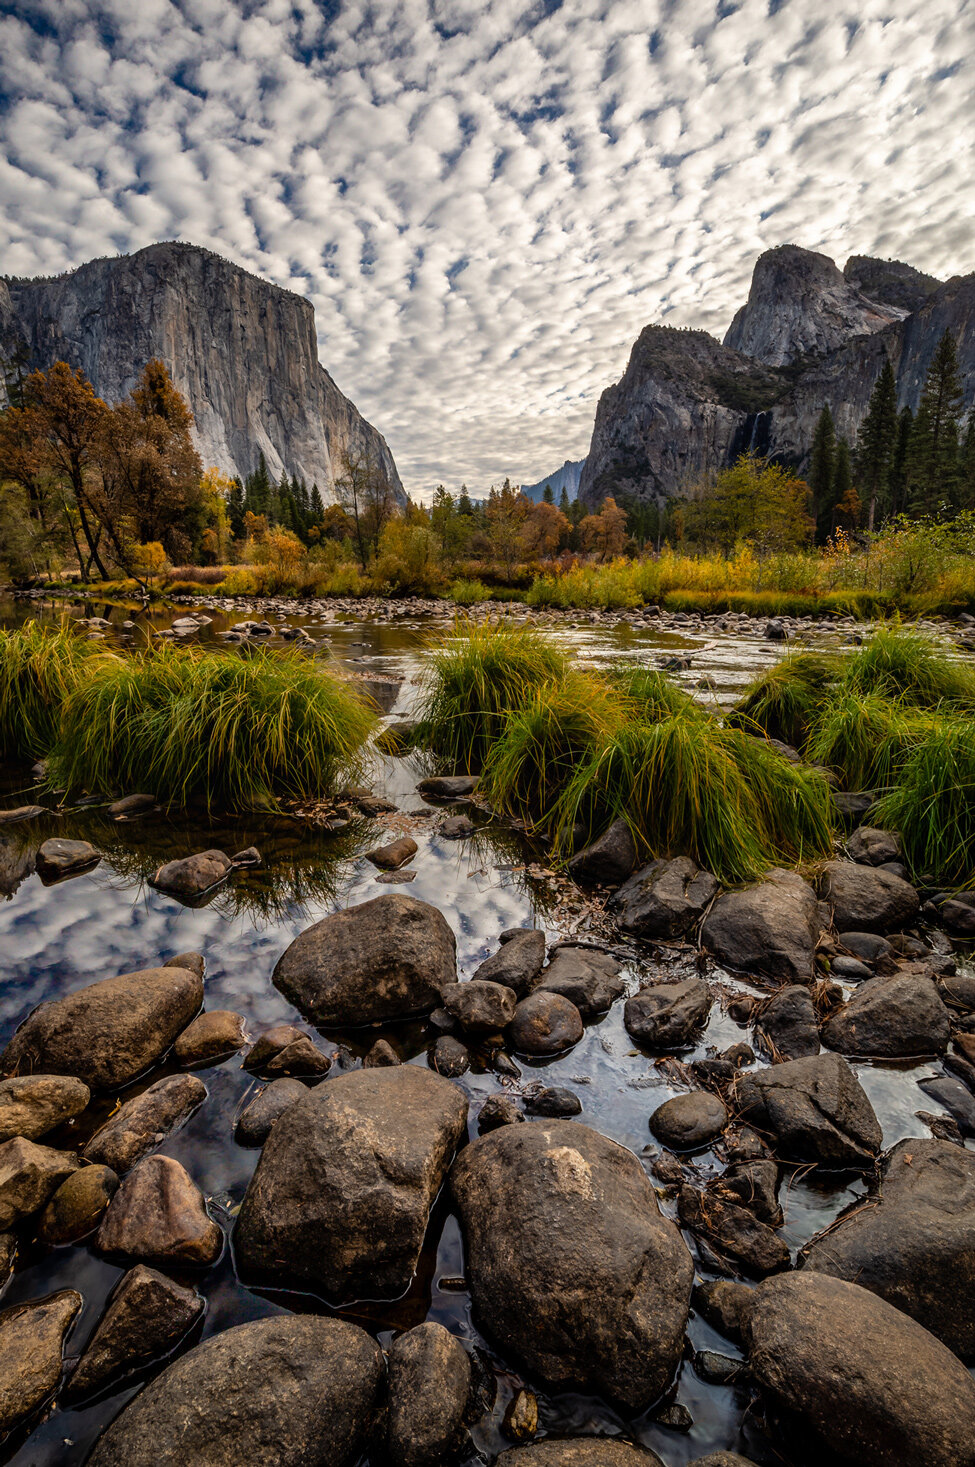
pixel 29 1176
pixel 608 861
pixel 815 1108
pixel 667 1015
pixel 193 876
pixel 32 1105
pixel 429 1381
pixel 292 1390
pixel 31 1343
pixel 158 1215
pixel 667 899
pixel 895 1017
pixel 580 1451
pixel 390 958
pixel 571 1265
pixel 211 1036
pixel 146 1316
pixel 58 858
pixel 144 1121
pixel 78 1205
pixel 343 1190
pixel 771 929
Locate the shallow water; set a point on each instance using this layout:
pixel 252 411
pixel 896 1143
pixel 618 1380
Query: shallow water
pixel 57 938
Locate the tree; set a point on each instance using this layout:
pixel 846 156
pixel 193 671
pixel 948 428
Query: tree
pixel 604 534
pixel 464 507
pixel 753 502
pixel 934 459
pixel 367 497
pixel 68 422
pixel 543 529
pixel 257 488
pixel 821 461
pixel 547 496
pixel 876 444
pixel 564 502
pixel 900 461
pixel 507 510
pixel 846 501
pixel 235 509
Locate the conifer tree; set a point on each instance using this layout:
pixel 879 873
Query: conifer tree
pixel 934 459
pixel 876 444
pixel 821 465
pixel 464 506
pixel 966 468
pixel 846 505
pixel 897 478
pixel 317 510
pixel 564 501
pixel 235 509
pixel 257 488
pixel 547 496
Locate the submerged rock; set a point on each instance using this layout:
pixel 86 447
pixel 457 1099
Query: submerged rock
pixel 193 876
pixel 771 929
pixel 78 1205
pixel 429 1381
pixel 147 1315
pixel 666 899
pixel 733 1231
pixel 145 1120
pixel 158 1215
pixel 815 1108
pixel 32 1105
pixel 667 1015
pixel 571 1265
pixel 31 1344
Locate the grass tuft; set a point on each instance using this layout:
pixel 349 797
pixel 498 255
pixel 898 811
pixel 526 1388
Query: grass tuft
pixel 905 665
pixel 933 805
pixel 40 667
pixel 787 700
pixel 865 738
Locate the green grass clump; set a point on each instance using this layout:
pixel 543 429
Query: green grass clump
pixel 232 732
pixel 787 700
pixel 904 665
pixel 933 805
pixel 469 593
pixel 40 667
pixel 480 675
pixel 653 694
pixel 865 738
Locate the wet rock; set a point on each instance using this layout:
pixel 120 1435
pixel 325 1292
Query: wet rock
pixel 869 947
pixel 891 1017
pixel 571 1265
pixel 31 1345
pixel 608 861
pixel 455 827
pixel 344 1186
pixel 717 1369
pixel 517 963
pixel 589 979
pixel 666 899
pixel 667 1015
pixel 498 1110
pixel 958 914
pixel 689 1121
pixel 815 1108
pixel 787 1028
pixel 32 1105
pixel 192 962
pixel 915 1247
pixel 147 1315
pixel 866 899
pixel 380 1055
pixel 292 1390
pixel 771 929
pixel 450 1057
pixel 254 1123
pixel 59 858
pixel 733 1231
pixel 722 1459
pixel 723 1304
pixel 22 812
pixel 78 1205
pixel 870 847
pixel 395 878
pixel 286 1050
pixel 956 1099
pixel 130 805
pixel 480 1007
pixel 141 1123
pixel 29 1177
pixel 108 1033
pixel 552 1100
pixel 247 858
pixel 867 1379
pixel 158 1215
pixel 752 1184
pixel 193 876
pixel 545 1023
pixel 713 1071
pixel 448 786
pixel 390 857
pixel 211 1036
pixel 389 958
pixel 521 1416
pixel 739 1054
pixel 580 1451
pixel 957 990
pixel 429 1380
pixel 851 970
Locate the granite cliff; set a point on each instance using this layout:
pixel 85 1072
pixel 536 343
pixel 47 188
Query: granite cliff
pixel 243 352
pixel 808 335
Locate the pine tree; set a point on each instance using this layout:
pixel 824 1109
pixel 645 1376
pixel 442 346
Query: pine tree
pixel 257 488
pixel 547 496
pixel 235 509
pixel 564 501
pixel 464 507
pixel 317 509
pixel 821 467
pixel 898 476
pixel 877 442
pixel 934 459
pixel 966 474
pixel 846 505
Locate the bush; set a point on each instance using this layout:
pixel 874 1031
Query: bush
pixel 468 593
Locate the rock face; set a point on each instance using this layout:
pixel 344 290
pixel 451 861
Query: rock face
pixel 771 929
pixel 344 1186
pixel 108 1033
pixel 242 351
pixel 916 1246
pixel 873 1385
pixel 295 1390
pixel 815 1108
pixel 390 958
pixel 146 1316
pixel 571 1265
pixel 31 1342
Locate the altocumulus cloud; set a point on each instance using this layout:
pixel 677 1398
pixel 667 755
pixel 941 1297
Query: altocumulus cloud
pixel 487 199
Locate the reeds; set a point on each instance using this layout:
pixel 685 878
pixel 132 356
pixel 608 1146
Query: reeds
pixel 932 805
pixel 865 738
pixel 904 665
pixel 40 667
pixel 787 700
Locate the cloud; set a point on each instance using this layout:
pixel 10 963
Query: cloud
pixel 486 200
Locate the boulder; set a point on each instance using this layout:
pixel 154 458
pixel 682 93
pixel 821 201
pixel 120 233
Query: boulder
pixel 815 1108
pixel 193 876
pixel 869 947
pixel 553 1101
pixel 253 1125
pixel 448 786
pixel 915 1244
pixel 667 1015
pixel 380 1053
pixel 723 1303
pixel 32 1105
pixel 158 1215
pixel 147 1315
pixel 429 1381
pixel 666 899
pixel 108 1033
pixel 141 1123
pixel 753 1184
pixel 608 861
pixel 870 847
pixel 517 963
pixel 389 958
pixel 545 1023
pixel 78 1205
pixel 571 1265
pixel 58 858
pixel 958 914
pixel 295 1390
pixel 498 1110
pixel 455 827
pixel 450 1057
pixel 689 1121
pixel 480 1007
pixel 579 1451
pixel 733 1231
pixel 866 899
pixel 209 1037
pixel 871 1384
pixel 787 1026
pixel 390 857
pixel 891 1018
pixel 31 1345
pixel 287 1050
pixel 771 929
pixel 193 962
pixel 29 1176
pixel 345 1183
pixel 589 979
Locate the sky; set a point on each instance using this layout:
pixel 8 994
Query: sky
pixel 486 200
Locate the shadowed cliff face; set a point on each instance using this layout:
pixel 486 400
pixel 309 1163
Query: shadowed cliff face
pixel 243 352
pixel 688 404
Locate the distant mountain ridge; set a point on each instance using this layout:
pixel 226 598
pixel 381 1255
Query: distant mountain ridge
pixel 567 478
pixel 808 335
pixel 243 352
